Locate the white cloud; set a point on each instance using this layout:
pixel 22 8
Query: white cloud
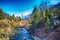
pixel 22 14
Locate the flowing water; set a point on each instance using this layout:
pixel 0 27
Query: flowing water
pixel 21 34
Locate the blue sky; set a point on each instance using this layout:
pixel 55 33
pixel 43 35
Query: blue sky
pixel 21 7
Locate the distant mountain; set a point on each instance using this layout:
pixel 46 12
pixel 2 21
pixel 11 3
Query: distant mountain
pixel 51 6
pixel 26 17
pixel 56 5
